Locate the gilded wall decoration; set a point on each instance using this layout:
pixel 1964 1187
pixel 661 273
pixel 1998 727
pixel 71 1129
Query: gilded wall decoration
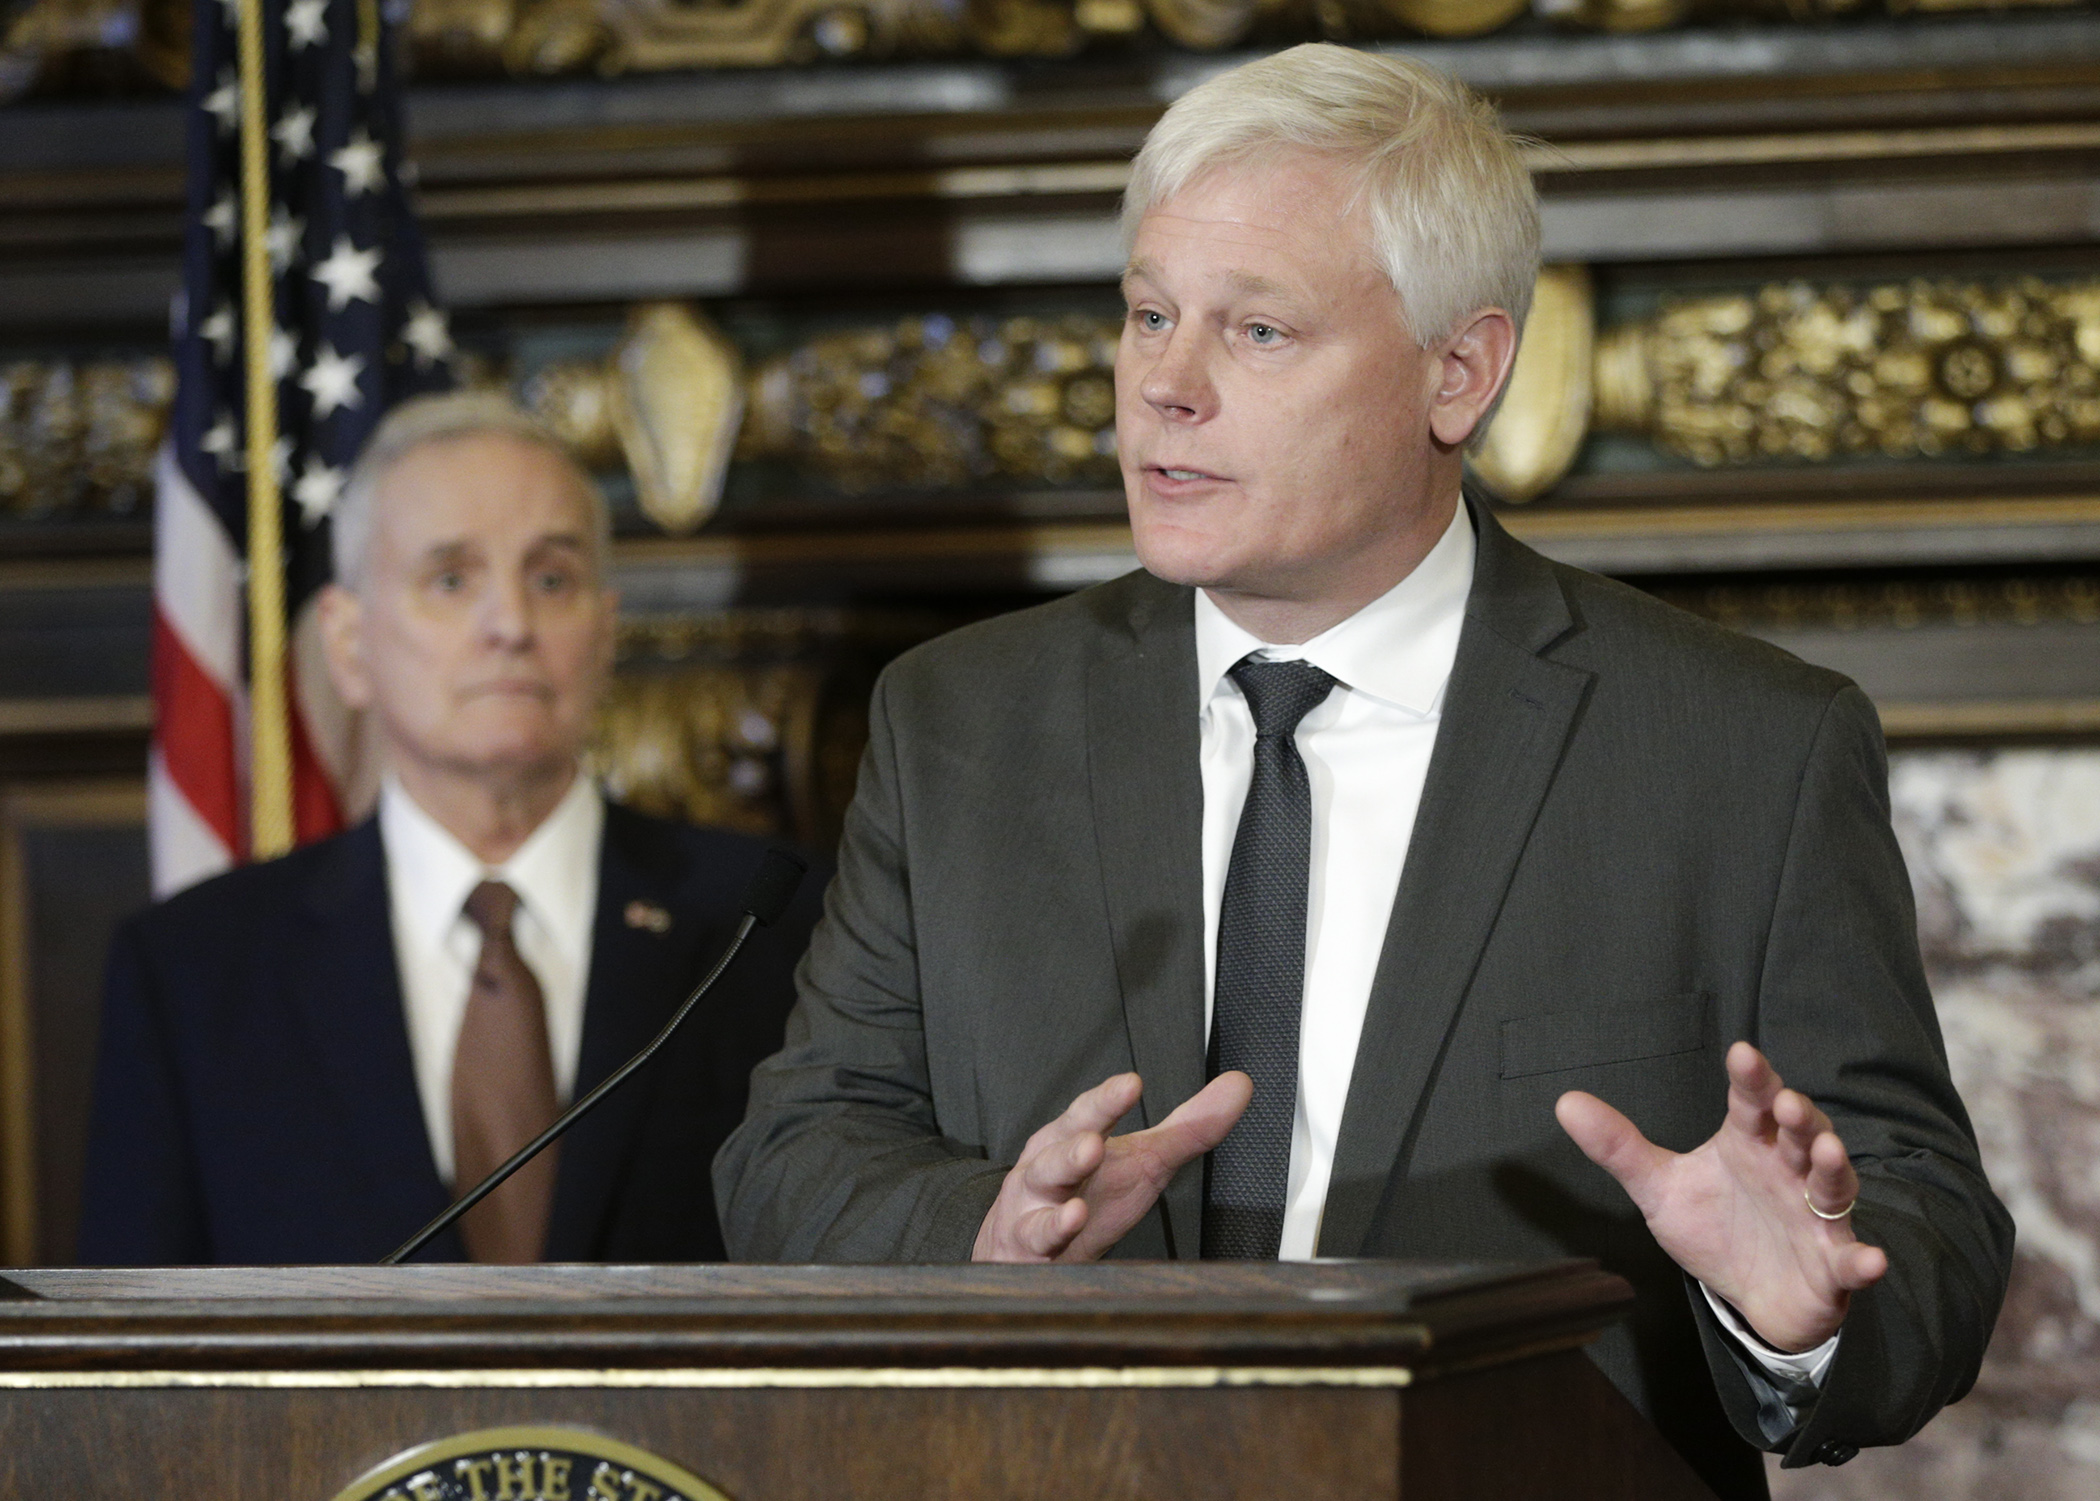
pixel 677 403
pixel 1926 369
pixel 97 45
pixel 77 438
pixel 938 402
pixel 748 719
pixel 1899 370
pixel 1545 411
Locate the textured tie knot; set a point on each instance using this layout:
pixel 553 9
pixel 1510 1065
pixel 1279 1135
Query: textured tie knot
pixel 1279 694
pixel 490 907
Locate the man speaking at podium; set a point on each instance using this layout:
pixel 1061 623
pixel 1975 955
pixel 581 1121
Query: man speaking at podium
pixel 298 1057
pixel 1352 798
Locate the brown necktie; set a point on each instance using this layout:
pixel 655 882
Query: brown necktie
pixel 503 1090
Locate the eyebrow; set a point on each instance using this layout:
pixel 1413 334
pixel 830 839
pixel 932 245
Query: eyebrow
pixel 460 547
pixel 1245 283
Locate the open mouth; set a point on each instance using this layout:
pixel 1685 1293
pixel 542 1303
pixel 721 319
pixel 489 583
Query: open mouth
pixel 1182 476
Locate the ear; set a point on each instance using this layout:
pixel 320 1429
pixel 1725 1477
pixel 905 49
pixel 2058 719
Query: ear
pixel 1473 365
pixel 341 616
pixel 609 630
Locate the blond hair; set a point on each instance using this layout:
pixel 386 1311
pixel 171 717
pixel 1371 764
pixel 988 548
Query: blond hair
pixel 433 419
pixel 1454 218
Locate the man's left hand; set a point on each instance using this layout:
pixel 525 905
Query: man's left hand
pixel 1735 1213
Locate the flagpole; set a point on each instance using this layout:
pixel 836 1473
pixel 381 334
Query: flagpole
pixel 270 764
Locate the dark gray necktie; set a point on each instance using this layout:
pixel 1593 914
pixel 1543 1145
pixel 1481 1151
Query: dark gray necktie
pixel 1260 985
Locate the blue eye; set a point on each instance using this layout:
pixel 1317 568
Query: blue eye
pixel 1264 333
pixel 1152 322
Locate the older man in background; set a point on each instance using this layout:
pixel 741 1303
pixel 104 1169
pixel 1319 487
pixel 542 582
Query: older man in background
pixel 302 1061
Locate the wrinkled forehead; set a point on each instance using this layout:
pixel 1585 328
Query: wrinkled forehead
pixel 493 490
pixel 1265 224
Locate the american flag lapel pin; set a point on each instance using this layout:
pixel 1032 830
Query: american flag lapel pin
pixel 648 916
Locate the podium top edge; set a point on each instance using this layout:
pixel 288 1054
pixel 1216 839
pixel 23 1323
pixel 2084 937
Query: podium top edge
pixel 1386 1286
pixel 1389 1315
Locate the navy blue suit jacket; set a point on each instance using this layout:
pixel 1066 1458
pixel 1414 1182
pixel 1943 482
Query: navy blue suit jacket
pixel 255 1101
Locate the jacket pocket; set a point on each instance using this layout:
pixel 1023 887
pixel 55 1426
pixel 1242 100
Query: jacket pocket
pixel 1555 1041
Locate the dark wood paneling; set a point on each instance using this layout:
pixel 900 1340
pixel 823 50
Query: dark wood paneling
pixel 1031 1445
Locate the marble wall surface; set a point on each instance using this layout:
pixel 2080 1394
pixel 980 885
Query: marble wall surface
pixel 2004 850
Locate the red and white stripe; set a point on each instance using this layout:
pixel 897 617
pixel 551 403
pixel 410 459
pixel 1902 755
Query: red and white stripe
pixel 197 776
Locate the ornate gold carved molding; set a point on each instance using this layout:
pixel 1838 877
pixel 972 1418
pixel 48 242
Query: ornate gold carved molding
pixel 1898 370
pixel 935 402
pixel 748 719
pixel 1788 372
pixel 1545 412
pixel 78 437
pixel 54 45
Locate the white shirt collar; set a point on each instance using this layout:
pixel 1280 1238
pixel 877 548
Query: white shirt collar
pixel 553 871
pixel 1398 648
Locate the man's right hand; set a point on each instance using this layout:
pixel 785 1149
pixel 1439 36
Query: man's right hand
pixel 1077 1190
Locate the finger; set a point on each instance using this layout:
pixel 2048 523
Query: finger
pixel 1046 1232
pixel 1057 1171
pixel 1103 1105
pixel 1859 1265
pixel 1201 1121
pixel 1047 1161
pixel 1753 1086
pixel 1613 1142
pixel 1832 1183
pixel 1800 1123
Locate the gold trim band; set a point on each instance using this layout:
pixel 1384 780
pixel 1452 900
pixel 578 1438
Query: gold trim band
pixel 724 1379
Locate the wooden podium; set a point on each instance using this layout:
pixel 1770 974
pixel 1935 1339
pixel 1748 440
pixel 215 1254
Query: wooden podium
pixel 1295 1382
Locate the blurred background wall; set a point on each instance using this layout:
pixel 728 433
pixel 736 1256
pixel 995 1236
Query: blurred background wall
pixel 1818 355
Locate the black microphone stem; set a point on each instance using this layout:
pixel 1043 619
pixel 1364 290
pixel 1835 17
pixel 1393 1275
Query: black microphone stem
pixel 568 1118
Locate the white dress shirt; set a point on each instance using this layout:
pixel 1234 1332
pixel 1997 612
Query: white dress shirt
pixel 429 875
pixel 1366 752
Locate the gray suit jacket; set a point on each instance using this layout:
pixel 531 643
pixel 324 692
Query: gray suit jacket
pixel 1641 838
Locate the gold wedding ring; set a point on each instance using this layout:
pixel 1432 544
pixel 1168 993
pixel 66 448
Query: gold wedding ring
pixel 1824 1214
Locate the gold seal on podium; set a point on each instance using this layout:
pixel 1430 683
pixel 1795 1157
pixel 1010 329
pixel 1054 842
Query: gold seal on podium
pixel 528 1464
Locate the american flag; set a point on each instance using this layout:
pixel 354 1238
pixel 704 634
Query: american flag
pixel 355 329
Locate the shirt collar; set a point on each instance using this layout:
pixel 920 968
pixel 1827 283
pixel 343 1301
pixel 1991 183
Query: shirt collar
pixel 552 871
pixel 1398 648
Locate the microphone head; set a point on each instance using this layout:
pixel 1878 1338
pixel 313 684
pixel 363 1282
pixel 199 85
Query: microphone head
pixel 773 887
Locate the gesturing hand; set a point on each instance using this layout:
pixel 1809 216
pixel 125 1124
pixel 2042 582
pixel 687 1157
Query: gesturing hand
pixel 1077 1190
pixel 1734 1212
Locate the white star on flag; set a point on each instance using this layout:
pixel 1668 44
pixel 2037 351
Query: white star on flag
pixel 224 102
pixel 317 491
pixel 347 273
pixel 284 353
pixel 218 331
pixel 294 134
pixel 219 439
pixel 283 236
pixel 222 219
pixel 306 21
pixel 362 164
pixel 332 381
pixel 428 333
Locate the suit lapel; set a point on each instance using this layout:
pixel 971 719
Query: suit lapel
pixel 631 993
pixel 1506 719
pixel 1146 783
pixel 348 996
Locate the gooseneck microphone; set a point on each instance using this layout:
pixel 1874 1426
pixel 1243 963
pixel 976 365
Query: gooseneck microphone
pixel 771 889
